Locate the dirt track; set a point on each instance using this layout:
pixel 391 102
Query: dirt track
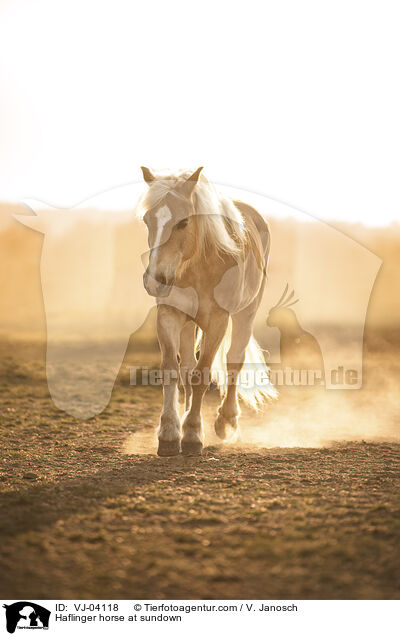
pixel 82 518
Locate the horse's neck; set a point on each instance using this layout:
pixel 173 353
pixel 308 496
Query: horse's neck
pixel 204 268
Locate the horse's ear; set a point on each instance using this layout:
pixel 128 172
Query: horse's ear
pixel 189 185
pixel 148 176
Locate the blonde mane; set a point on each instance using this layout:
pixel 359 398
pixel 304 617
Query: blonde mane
pixel 220 223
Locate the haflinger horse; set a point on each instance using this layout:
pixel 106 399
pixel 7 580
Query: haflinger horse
pixel 202 241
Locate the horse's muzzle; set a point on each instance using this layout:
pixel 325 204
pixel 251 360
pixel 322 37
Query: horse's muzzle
pixel 155 287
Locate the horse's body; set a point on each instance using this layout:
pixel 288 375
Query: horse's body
pixel 218 248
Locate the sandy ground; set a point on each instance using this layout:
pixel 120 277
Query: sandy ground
pixel 305 506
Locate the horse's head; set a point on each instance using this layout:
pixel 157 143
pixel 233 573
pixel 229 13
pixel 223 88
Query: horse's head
pixel 171 223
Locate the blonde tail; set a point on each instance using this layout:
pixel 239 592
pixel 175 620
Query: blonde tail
pixel 254 385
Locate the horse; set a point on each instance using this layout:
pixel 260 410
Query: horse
pixel 199 240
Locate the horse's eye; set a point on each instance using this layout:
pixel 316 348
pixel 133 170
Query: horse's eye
pixel 182 224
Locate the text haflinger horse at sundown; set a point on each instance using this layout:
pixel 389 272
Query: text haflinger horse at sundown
pixel 208 247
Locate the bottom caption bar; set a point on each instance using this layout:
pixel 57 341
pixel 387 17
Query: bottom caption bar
pixel 305 617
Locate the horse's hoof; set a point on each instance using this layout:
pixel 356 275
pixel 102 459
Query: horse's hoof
pixel 226 429
pixel 191 448
pixel 168 449
pixel 219 427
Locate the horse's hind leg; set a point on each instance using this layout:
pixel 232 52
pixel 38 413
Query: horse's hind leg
pixel 187 358
pixel 227 422
pixel 169 326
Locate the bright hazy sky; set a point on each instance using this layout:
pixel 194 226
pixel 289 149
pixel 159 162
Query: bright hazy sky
pixel 298 101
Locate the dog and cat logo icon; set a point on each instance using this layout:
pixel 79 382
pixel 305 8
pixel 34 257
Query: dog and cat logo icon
pixel 26 615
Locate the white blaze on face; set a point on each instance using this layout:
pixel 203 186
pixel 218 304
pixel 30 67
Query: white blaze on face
pixel 163 215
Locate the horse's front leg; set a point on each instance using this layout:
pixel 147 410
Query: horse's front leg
pixel 169 325
pixel 188 358
pixel 226 424
pixel 192 441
